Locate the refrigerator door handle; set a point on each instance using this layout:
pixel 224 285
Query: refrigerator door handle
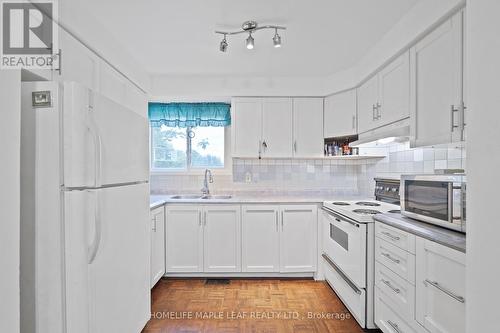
pixel 94 247
pixel 97 148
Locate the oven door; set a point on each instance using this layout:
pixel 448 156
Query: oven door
pixel 345 243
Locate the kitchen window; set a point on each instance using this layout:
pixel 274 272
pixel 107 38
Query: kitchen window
pixel 188 137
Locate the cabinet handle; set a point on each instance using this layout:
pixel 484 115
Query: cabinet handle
pixel 260 149
pixel 295 146
pixel 391 236
pixel 444 290
pixel 373 111
pixel 199 218
pixel 394 326
pixel 205 218
pixel 388 256
pixel 353 122
pixel 154 224
pixel 282 226
pixel 453 110
pixel 388 284
pixel 277 226
pixel 379 114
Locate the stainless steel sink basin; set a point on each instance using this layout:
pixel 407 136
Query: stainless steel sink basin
pixel 189 196
pixel 216 197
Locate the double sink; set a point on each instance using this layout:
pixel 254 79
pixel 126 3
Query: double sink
pixel 204 197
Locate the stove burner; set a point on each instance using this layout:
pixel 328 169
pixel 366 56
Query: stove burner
pixel 341 203
pixel 367 203
pixel 397 211
pixel 366 211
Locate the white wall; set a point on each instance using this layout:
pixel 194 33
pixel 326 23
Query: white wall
pixel 483 165
pixel 10 111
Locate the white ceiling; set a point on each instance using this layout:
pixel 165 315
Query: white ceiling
pixel 177 37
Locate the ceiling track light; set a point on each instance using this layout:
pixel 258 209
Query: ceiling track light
pixel 250 27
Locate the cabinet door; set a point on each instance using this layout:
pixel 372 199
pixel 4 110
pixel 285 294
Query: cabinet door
pixel 112 84
pixel 78 63
pixel 222 238
pixel 394 90
pixel 157 244
pixel 184 239
pixel 246 129
pixel 298 238
pixel 308 127
pixel 276 127
pixel 340 114
pixel 260 238
pixel 367 105
pixel 440 287
pixel 436 92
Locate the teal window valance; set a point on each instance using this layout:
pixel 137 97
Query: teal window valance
pixel 190 114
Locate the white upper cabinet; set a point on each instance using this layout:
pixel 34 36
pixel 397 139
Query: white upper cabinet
pixel 340 114
pixel 437 85
pixel 298 243
pixel 384 98
pixel 246 129
pixel 222 238
pixel 308 127
pixel 367 105
pixel 394 91
pixel 277 127
pixel 260 238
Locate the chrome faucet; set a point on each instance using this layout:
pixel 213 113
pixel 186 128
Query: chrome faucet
pixel 208 179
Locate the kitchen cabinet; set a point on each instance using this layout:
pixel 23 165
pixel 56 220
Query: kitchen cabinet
pixel 298 238
pixel 246 129
pixel 274 127
pixel 437 108
pixel 308 127
pixel 277 127
pixel 157 244
pixel 260 238
pixel 440 287
pixel 184 238
pixel 222 238
pixel 340 114
pixel 385 98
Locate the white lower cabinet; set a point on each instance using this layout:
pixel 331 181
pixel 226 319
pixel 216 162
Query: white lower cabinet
pixel 184 238
pixel 260 238
pixel 440 287
pixel 421 292
pixel 157 244
pixel 298 238
pixel 222 238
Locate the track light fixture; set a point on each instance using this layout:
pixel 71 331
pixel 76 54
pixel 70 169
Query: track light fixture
pixel 250 27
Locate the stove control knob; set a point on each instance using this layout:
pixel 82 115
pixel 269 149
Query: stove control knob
pixel 387 189
pixel 394 189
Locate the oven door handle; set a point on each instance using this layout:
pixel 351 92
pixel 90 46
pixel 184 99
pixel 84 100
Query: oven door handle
pixel 339 217
pixel 341 273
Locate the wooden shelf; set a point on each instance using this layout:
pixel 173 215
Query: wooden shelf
pixel 353 157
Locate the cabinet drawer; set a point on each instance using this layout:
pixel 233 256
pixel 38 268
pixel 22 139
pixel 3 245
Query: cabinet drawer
pixel 387 317
pixel 400 291
pixel 399 261
pixel 399 238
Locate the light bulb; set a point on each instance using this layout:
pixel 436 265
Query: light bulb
pixel 250 42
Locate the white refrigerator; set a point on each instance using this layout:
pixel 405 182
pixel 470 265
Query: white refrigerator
pixel 85 238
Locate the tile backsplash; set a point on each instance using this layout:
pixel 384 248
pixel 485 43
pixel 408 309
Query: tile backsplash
pixel 318 176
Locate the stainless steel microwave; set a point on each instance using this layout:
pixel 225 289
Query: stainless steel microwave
pixel 436 199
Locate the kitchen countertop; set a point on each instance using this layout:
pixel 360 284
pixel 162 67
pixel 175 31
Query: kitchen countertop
pixel 450 238
pixel 158 200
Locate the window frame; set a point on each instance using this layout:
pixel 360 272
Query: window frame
pixel 226 170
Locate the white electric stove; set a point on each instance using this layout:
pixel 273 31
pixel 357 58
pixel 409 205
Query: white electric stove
pixel 348 253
